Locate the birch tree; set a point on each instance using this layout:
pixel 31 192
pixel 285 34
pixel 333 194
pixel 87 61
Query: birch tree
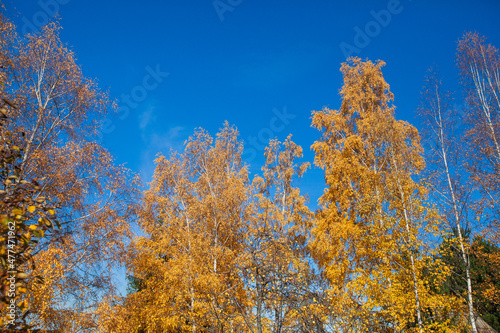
pixel 56 121
pixel 448 176
pixel 281 282
pixel 368 235
pixel 479 65
pixel 193 220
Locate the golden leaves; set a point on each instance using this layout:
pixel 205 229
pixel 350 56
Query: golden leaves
pixel 368 232
pixel 53 130
pixel 192 216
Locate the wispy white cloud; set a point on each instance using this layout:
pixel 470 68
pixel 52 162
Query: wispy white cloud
pixel 159 143
pixel 146 118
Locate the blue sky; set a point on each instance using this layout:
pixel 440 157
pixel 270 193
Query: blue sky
pixel 261 65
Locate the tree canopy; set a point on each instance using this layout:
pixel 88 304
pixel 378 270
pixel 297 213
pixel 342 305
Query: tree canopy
pixel 405 238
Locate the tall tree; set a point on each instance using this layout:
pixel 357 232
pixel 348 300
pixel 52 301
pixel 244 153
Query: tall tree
pixel 193 217
pixel 448 177
pixel 280 280
pixel 59 111
pixel 368 234
pixel 479 65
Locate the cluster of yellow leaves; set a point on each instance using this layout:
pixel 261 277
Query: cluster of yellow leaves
pixel 193 217
pixel 25 216
pixel 282 284
pixel 221 253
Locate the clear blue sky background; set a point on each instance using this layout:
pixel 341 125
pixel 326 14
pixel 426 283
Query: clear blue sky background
pixel 246 58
